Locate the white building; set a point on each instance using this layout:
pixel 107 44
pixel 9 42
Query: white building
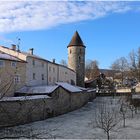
pixel 40 71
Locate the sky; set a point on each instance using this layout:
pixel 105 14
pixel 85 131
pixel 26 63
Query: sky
pixel 109 29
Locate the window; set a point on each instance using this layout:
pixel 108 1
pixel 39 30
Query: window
pixel 42 76
pixel 34 76
pixel 2 63
pixel 54 79
pixel 13 64
pixel 33 62
pixel 49 69
pixel 50 79
pixel 17 79
pixel 79 59
pixel 42 64
pixel 53 69
pixel 70 51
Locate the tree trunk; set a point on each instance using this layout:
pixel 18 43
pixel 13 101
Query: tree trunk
pixel 132 114
pixel 123 121
pixel 108 137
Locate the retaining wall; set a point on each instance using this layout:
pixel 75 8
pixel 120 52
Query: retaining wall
pixel 25 109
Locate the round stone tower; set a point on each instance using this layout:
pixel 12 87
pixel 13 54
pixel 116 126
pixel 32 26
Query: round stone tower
pixel 76 58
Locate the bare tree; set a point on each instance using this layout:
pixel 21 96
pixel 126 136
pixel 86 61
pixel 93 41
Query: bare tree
pixel 133 64
pixel 123 110
pixel 121 65
pixel 92 69
pixel 63 62
pixel 132 109
pixel 106 119
pixel 7 84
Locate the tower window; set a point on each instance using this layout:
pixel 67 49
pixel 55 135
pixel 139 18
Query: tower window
pixel 34 77
pixel 42 76
pixel 79 59
pixel 70 51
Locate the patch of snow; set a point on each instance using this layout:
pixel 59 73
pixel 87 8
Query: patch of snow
pixel 37 89
pixel 135 96
pixel 82 88
pixel 69 87
pixel 123 90
pixel 8 57
pixel 91 90
pixel 21 98
pixel 78 124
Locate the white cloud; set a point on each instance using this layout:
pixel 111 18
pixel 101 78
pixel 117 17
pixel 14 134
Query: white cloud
pixel 28 15
pixel 5 40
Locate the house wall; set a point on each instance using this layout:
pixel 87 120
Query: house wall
pixel 67 75
pixel 39 68
pixel 7 75
pixel 14 112
pixel 52 72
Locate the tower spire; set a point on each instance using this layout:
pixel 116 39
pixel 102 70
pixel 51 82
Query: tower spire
pixel 76 40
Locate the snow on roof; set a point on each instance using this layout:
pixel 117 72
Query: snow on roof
pixel 69 87
pixel 138 85
pixel 8 57
pixel 91 90
pixel 82 88
pixel 135 96
pixel 50 89
pixel 37 89
pixel 21 98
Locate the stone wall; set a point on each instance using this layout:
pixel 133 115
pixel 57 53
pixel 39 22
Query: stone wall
pixel 21 110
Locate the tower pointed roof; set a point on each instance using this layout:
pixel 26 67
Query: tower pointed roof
pixel 76 40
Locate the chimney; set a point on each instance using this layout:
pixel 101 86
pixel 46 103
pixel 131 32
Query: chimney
pixel 14 47
pixel 31 51
pixel 53 60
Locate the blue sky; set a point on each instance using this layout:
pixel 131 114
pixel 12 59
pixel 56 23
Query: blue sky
pixel 108 29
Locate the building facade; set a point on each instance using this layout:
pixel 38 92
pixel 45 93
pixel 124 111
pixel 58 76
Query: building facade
pixel 76 58
pixel 12 74
pixel 40 71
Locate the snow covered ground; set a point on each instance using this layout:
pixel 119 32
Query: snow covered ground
pixel 79 124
